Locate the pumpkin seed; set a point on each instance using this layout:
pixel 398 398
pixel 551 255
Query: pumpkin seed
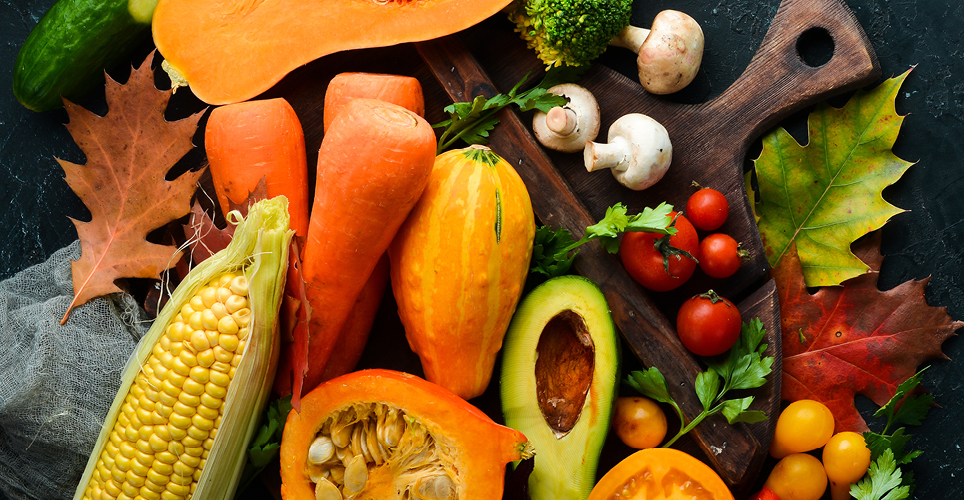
pixel 321 450
pixel 326 490
pixel 356 475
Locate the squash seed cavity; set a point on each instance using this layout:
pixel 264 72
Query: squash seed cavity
pixel 373 450
pixel 564 369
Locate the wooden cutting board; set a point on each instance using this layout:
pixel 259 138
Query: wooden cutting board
pixel 710 144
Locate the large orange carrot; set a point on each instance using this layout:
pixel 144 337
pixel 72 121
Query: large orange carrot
pixel 248 141
pixel 373 165
pixel 396 89
pixel 354 335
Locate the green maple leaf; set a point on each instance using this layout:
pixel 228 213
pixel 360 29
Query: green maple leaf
pixel 823 196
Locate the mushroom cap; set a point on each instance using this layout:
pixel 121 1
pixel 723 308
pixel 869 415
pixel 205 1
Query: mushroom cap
pixel 649 148
pixel 670 57
pixel 586 110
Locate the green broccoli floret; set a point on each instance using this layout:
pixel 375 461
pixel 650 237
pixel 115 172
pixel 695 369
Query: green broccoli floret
pixel 570 32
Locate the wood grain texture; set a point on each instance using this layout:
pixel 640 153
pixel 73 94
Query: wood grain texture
pixel 710 144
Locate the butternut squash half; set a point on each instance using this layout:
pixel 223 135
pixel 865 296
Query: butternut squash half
pixel 232 50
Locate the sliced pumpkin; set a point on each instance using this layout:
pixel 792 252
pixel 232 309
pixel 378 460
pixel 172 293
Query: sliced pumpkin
pixel 382 434
pixel 232 50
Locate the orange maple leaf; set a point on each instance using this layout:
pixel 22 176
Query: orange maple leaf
pixel 855 339
pixel 129 151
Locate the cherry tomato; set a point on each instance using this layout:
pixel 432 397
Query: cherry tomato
pixel 846 459
pixel 798 477
pixel 639 422
pixel 803 425
pixel 707 209
pixel 720 255
pixel 645 262
pixel 708 324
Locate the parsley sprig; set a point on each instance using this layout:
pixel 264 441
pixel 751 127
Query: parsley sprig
pixel 884 479
pixel 472 121
pixel 743 367
pixel 551 249
pixel 265 444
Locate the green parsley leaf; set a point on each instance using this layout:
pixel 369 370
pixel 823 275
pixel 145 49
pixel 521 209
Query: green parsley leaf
pixel 912 410
pixel 267 441
pixel 882 482
pixel 738 410
pixel 742 367
pixel 553 257
pixel 707 387
pixel 471 122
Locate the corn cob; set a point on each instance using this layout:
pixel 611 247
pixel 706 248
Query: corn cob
pixel 198 380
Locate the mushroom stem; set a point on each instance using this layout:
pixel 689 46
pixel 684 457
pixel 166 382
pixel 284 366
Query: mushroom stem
pixel 614 155
pixel 631 37
pixel 561 120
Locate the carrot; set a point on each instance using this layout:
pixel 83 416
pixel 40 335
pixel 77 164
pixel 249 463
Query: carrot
pixel 402 90
pixel 373 165
pixel 248 141
pixel 354 335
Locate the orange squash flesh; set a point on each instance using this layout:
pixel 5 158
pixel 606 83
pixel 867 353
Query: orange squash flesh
pixel 661 474
pixel 232 50
pixel 481 447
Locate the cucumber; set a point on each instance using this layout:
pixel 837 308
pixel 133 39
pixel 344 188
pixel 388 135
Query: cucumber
pixel 75 41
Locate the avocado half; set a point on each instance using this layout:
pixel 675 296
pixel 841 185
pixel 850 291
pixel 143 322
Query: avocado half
pixel 560 367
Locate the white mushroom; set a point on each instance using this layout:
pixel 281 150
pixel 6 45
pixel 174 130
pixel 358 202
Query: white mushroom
pixel 669 55
pixel 568 128
pixel 639 151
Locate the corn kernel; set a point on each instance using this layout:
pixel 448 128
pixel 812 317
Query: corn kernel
pixel 222 366
pixel 166 360
pixel 228 342
pixel 145 432
pixel 190 461
pixel 182 490
pixel 163 432
pixel 193 387
pixel 222 355
pixel 189 358
pixel 210 402
pixel 199 340
pixel 197 303
pixel 243 333
pixel 220 379
pixel 157 442
pixel 195 432
pixel 235 303
pixel 148 494
pixel 202 423
pixel 200 374
pixel 144 414
pixel 219 310
pixel 242 316
pixel 180 422
pixel 206 358
pixel 165 457
pixel 194 321
pixel 177 433
pixel 183 410
pixel 186 312
pixel 181 468
pixel 129 490
pixel 189 399
pixel 130 433
pixel 239 286
pixel 167 495
pixel 209 413
pixel 216 391
pixel 209 295
pixel 143 454
pixel 226 279
pixel 110 486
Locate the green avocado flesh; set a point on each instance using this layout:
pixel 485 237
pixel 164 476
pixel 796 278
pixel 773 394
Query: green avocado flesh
pixel 560 367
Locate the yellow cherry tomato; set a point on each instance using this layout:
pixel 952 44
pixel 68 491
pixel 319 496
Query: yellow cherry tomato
pixel 803 426
pixel 845 459
pixel 798 476
pixel 639 422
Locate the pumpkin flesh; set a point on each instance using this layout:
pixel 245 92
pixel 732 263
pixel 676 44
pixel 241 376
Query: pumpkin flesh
pixel 414 439
pixel 232 50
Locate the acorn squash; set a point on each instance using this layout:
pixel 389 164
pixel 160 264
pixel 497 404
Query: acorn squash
pixel 383 434
pixel 233 50
pixel 458 265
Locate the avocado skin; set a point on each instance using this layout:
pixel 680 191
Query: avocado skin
pixel 67 52
pixel 564 468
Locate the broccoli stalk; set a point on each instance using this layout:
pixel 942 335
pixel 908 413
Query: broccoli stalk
pixel 570 32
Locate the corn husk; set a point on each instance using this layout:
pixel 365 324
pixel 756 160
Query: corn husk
pixel 259 250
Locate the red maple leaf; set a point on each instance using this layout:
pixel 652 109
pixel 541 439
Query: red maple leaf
pixel 129 152
pixel 855 339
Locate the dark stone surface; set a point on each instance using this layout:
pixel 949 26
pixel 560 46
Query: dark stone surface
pixel 927 240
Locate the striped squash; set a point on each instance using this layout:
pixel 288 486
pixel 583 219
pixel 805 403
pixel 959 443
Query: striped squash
pixel 458 266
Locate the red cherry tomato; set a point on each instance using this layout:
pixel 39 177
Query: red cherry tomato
pixel 707 209
pixel 708 324
pixel 645 262
pixel 720 255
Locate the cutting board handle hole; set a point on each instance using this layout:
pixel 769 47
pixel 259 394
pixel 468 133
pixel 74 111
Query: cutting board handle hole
pixel 815 47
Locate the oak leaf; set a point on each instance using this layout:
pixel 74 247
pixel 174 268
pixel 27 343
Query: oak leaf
pixel 129 151
pixel 822 197
pixel 854 339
